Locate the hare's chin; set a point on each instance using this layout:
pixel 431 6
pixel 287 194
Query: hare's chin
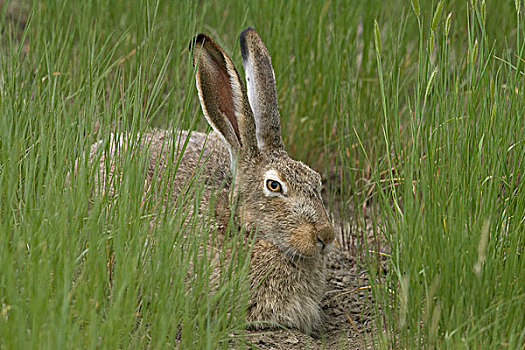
pixel 294 253
pixel 309 252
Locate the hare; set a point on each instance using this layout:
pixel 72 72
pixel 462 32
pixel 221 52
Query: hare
pixel 277 196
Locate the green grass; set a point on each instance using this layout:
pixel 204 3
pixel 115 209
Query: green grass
pixel 419 115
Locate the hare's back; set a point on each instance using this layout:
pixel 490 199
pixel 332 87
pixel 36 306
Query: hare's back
pixel 203 157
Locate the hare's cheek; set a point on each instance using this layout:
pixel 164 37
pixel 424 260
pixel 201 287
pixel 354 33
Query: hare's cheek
pixel 302 239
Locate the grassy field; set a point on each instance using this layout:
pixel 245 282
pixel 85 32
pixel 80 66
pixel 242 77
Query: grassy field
pixel 414 110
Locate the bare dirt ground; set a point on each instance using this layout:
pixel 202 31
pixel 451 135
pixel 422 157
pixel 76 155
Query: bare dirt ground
pixel 348 304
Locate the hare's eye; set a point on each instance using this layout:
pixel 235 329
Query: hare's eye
pixel 273 185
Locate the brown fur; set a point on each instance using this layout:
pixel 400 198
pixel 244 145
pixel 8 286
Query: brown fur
pixel 293 228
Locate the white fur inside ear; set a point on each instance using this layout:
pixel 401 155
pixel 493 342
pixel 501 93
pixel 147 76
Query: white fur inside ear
pixel 250 85
pixel 253 94
pixel 274 175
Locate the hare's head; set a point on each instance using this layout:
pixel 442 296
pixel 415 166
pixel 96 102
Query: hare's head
pixel 277 195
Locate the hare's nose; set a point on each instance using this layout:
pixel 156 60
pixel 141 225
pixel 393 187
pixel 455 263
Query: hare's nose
pixel 325 235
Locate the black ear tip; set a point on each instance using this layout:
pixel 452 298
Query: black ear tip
pixel 199 39
pixel 243 41
pixel 246 31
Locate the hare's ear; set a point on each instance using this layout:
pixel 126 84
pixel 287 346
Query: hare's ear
pixel 262 94
pixel 223 98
